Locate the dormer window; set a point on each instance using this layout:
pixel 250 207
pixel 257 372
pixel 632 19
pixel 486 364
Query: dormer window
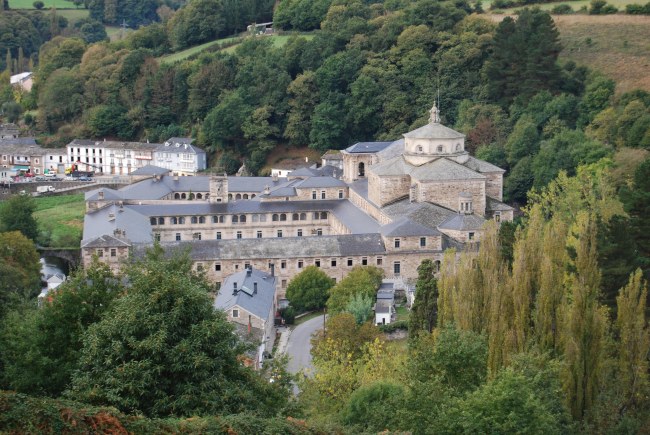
pixel 440 148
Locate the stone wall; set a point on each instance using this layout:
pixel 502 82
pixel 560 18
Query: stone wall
pixel 113 257
pixel 412 244
pixel 307 194
pixel 446 193
pixel 383 190
pixel 494 185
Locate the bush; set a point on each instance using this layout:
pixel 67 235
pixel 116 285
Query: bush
pixel 38 5
pixel 374 407
pixel 562 9
pixel 600 7
pixel 638 9
pixel 289 315
pixel 395 326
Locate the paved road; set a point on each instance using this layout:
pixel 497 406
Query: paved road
pixel 299 346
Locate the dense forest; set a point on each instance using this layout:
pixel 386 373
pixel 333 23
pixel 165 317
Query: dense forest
pixel 543 330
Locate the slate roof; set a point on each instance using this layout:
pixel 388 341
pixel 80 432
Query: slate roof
pixel 393 150
pixel 425 213
pixel 332 155
pixel 304 172
pixel 404 227
pixel 463 222
pixel 481 166
pixel 434 131
pixel 444 169
pixel 382 306
pixel 180 143
pixel 395 166
pixel 284 247
pixel 367 147
pixel 106 241
pixel 109 194
pixel 318 182
pixel 249 184
pixel 151 170
pixel 20 146
pixel 257 303
pixel 99 223
pixel 492 204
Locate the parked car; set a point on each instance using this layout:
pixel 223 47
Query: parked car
pixel 56 179
pixel 85 179
pixel 39 178
pixel 69 178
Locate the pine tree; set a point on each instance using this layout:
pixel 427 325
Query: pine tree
pixel 634 341
pixel 584 325
pixel 424 313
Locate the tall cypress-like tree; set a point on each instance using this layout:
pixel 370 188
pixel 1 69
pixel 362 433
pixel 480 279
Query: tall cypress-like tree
pixel 634 340
pixel 523 61
pixel 424 313
pixel 584 326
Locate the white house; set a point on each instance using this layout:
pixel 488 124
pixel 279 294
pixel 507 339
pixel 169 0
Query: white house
pixel 385 312
pixel 181 157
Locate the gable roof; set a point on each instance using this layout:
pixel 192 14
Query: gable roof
pixel 481 165
pixel 444 169
pixel 257 303
pixel 151 170
pixel 404 227
pixel 367 147
pixel 463 222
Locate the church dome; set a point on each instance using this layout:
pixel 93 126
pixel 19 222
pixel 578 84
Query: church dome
pixel 432 140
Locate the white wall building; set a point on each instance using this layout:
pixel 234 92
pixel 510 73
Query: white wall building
pixel 181 157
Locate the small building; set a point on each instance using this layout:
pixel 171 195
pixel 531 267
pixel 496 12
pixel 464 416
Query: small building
pixel 181 157
pixel 24 81
pixel 333 158
pixel 260 28
pixel 385 312
pixel 9 131
pixel 248 299
pixel 53 281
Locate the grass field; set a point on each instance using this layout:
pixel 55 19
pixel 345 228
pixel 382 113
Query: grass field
pixel 61 218
pixel 616 45
pixel 620 4
pixel 29 4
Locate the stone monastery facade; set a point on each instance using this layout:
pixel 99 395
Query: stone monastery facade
pixel 393 205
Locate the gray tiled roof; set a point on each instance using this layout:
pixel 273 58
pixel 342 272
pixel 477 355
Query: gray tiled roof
pixel 360 186
pixel 257 303
pixel 118 145
pixel 404 227
pixel 481 166
pixel 425 213
pixel 109 194
pixel 184 143
pixel 106 241
pixel 150 170
pixel 444 169
pixel 332 155
pixel 463 222
pixel 393 150
pixel 20 146
pixel 395 166
pixel 318 182
pixel 434 131
pixel 367 147
pixel 285 247
pixel 252 184
pixel 100 223
pixel 383 306
pixel 492 204
pixel 304 172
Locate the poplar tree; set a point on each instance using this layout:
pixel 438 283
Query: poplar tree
pixel 447 288
pixel 8 62
pixel 424 313
pixel 584 326
pixel 634 339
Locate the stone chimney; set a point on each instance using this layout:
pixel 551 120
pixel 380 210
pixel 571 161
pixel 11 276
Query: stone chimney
pixel 100 194
pixel 267 190
pixel 275 177
pixel 234 288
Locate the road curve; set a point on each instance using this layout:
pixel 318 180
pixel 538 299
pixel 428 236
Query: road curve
pixel 299 345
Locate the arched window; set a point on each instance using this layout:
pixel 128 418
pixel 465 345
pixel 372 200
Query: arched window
pixel 323 215
pixel 262 218
pixel 245 195
pixel 252 196
pixel 174 220
pixel 256 218
pixel 303 216
pixel 283 217
pixel 235 219
pixel 153 220
pixel 436 266
pixel 230 196
pixel 276 217
pixel 295 217
pixel 457 147
pixel 161 221
pixel 199 196
pixel 362 169
pixel 316 215
pixel 440 148
pixel 238 196
pixel 191 196
pixel 181 220
pixel 201 219
pixel 183 196
pixel 194 220
pixel 177 195
pixel 242 219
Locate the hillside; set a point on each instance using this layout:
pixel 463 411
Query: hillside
pixel 616 45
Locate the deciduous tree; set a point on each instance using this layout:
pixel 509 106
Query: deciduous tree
pixel 309 289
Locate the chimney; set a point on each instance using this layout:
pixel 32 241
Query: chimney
pixel 275 177
pixel 234 288
pixel 255 288
pixel 249 271
pixel 100 194
pixel 267 190
pixel 176 177
pixel 272 269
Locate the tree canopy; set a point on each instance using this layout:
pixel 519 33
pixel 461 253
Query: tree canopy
pixel 309 289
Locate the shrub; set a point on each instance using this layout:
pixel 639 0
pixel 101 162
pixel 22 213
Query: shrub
pixel 562 9
pixel 394 326
pixel 638 9
pixel 38 5
pixel 289 315
pixel 600 7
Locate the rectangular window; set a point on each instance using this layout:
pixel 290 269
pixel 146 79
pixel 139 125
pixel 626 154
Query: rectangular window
pixel 284 283
pixel 380 261
pixel 299 233
pixel 300 264
pixel 349 262
pixel 397 268
pixel 199 266
pixel 497 216
pixel 113 252
pixel 283 264
pixel 317 263
pixel 364 261
pixel 470 236
pixel 100 253
pixel 319 232
pixel 218 235
pixel 239 234
pixel 259 234
pixel 333 262
pixel 178 236
pixel 157 237
pixel 217 267
pixel 247 265
pixel 397 243
pixel 322 194
pixel 313 194
pixel 279 233
pixel 235 314
pixel 340 194
pixel 196 236
pixel 423 242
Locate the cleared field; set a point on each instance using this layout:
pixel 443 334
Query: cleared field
pixel 61 219
pixel 29 4
pixel 620 4
pixel 616 45
pixel 181 55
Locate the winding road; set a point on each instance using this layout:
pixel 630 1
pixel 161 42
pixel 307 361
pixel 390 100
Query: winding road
pixel 299 345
